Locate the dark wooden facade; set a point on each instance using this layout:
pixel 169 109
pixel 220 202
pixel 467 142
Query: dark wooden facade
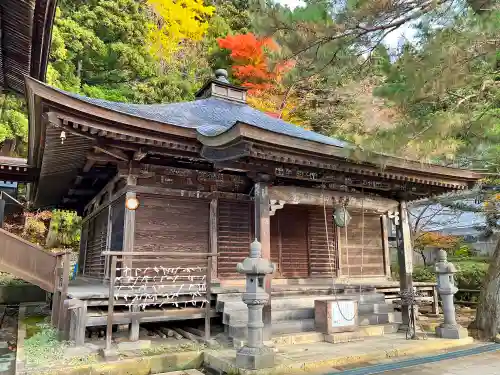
pixel 174 215
pixel 205 190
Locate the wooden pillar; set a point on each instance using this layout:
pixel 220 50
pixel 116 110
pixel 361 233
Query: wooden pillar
pixel 2 211
pixel 56 296
pixel 109 229
pixel 263 235
pixel 385 244
pixel 111 300
pixel 405 256
pixel 211 265
pixel 83 248
pixel 129 223
pixel 213 236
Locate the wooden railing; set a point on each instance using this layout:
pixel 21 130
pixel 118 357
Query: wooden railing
pixel 427 294
pixel 27 261
pixel 157 278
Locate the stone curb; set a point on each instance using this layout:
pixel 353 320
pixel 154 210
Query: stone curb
pixel 145 365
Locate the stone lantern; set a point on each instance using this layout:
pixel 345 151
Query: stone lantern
pixel 255 355
pixel 445 270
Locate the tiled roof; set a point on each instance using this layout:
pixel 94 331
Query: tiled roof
pixel 211 117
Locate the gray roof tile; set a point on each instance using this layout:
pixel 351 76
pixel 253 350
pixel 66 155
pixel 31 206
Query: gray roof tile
pixel 211 117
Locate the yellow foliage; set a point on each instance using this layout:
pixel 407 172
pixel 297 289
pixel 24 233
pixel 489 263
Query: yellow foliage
pixel 177 20
pixel 271 103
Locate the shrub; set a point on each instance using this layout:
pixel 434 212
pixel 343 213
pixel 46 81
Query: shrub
pixel 470 275
pixel 421 273
pixel 463 252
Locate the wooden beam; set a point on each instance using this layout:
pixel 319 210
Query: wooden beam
pixel 88 165
pixel 140 154
pixel 188 193
pixel 118 154
pixel 103 191
pixel 94 175
pixel 102 158
pixel 316 197
pixel 81 192
pixel 70 200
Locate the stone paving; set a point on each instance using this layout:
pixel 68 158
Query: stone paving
pixel 323 357
pixel 483 364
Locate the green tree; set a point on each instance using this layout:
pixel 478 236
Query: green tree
pixel 13 125
pixel 447 87
pixel 100 49
pixel 338 47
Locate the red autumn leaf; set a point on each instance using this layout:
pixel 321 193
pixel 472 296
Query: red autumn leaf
pixel 251 64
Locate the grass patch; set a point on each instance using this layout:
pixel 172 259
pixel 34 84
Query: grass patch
pixel 43 349
pixel 33 325
pixel 6 279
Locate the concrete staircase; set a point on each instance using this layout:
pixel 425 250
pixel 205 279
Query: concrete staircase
pixel 295 314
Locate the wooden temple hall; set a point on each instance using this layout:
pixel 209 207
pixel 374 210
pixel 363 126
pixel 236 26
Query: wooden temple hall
pixel 172 195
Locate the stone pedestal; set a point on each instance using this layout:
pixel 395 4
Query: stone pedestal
pixel 255 358
pixel 335 315
pixel 451 332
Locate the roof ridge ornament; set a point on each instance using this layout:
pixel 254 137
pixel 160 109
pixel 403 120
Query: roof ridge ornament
pixel 221 75
pixel 219 87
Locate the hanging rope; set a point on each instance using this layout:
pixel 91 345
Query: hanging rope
pixel 330 259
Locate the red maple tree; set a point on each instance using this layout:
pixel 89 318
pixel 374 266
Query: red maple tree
pixel 251 64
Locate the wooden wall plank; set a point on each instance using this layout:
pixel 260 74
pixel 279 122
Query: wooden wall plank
pixel 294 255
pixel 171 224
pixel 234 236
pixel 96 244
pixel 361 250
pixel 322 260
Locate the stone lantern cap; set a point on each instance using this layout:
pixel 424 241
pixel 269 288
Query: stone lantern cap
pixel 442 265
pixel 255 264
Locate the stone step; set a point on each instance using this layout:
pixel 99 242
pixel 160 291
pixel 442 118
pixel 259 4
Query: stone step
pixel 377 308
pixel 302 302
pixel 238 329
pixel 301 313
pixel 276 315
pixel 334 338
pixel 371 319
pixel 361 333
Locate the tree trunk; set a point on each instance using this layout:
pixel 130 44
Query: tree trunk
pixel 422 253
pixel 488 310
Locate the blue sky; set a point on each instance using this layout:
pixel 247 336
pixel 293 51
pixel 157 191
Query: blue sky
pixel 392 40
